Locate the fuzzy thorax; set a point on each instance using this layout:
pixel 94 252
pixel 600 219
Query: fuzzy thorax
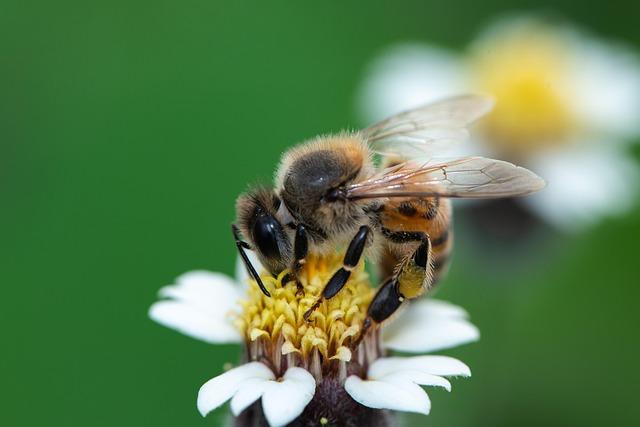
pixel 277 334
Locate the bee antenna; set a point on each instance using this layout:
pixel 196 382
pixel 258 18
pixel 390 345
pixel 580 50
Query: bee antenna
pixel 242 245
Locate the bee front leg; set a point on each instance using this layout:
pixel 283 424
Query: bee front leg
pixel 300 252
pixel 351 259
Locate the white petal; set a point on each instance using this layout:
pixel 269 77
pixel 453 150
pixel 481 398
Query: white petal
pixel 283 401
pixel 218 390
pixel 396 394
pixel 438 308
pixel 435 365
pixel 430 325
pixel 199 306
pixel 406 76
pixel 418 377
pixel 204 289
pixel 248 392
pixel 584 183
pixel 207 327
pixel 242 276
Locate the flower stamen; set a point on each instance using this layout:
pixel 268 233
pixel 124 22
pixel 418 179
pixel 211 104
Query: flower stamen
pixel 291 328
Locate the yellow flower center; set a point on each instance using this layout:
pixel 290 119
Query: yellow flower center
pixel 275 326
pixel 526 72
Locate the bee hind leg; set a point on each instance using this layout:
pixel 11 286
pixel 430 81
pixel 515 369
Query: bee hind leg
pixel 415 274
pixel 411 280
pixel 351 259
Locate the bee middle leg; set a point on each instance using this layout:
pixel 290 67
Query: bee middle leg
pixel 340 277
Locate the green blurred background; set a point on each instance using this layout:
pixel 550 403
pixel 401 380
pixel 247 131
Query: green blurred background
pixel 128 129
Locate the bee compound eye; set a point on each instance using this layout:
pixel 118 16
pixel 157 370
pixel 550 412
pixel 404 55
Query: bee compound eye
pixel 266 233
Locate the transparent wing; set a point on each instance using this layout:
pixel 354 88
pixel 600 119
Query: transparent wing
pixel 428 130
pixel 469 177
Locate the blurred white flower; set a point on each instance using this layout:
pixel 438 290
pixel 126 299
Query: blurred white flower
pixel 566 105
pixel 292 363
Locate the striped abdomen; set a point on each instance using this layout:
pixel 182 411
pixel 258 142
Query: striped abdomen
pixel 404 221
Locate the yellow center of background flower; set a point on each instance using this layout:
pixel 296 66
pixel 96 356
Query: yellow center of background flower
pixel 279 320
pixel 526 72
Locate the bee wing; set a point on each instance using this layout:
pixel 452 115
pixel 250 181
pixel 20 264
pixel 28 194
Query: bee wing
pixel 429 129
pixel 469 177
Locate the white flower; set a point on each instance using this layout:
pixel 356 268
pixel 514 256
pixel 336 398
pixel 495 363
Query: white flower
pixel 204 305
pixel 566 104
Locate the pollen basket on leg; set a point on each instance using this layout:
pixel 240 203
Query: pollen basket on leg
pixel 275 329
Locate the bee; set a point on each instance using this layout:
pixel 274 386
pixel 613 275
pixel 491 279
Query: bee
pixel 329 193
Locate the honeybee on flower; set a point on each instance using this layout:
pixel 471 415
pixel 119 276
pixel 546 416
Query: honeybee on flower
pixel 566 106
pixel 312 324
pixel 281 378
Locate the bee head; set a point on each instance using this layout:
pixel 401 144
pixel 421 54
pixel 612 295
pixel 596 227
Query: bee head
pixel 258 220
